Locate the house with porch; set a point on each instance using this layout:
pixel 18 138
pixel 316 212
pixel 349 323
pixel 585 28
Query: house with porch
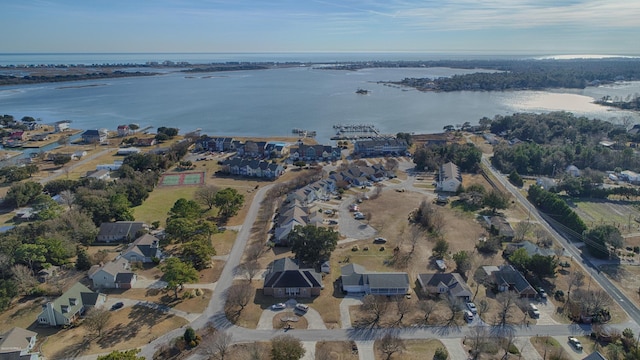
pixel 94 136
pixel 356 279
pixel 507 278
pixel 314 152
pixel 284 278
pixel 71 305
pixel 380 147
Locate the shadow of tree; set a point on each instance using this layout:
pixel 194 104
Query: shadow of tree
pixel 74 350
pixel 140 316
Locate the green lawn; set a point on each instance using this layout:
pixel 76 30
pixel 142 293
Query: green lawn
pixel 596 212
pixel 160 201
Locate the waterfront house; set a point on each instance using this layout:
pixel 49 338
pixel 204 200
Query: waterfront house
pixel 17 344
pixel 18 135
pixel 380 147
pixel 72 304
pixel 449 178
pixel 146 142
pixel 285 278
pixel 314 152
pixel 356 279
pixel 61 126
pixel 252 168
pixel 123 130
pixel 94 136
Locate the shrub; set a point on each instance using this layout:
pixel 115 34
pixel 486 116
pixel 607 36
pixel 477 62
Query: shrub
pixel 513 349
pixel 441 354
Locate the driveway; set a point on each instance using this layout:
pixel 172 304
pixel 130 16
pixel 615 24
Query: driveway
pixel 573 353
pixel 547 310
pixel 310 347
pixel 526 348
pixel 365 350
pixel 314 320
pixel 345 318
pixel 455 349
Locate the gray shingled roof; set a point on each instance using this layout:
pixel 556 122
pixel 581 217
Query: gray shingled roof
pixel 285 273
pixel 456 284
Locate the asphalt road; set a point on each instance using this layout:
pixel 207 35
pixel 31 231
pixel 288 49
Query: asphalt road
pixel 617 295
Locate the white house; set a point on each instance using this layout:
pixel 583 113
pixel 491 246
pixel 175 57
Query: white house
pixel 18 344
pixel 116 274
pixel 449 178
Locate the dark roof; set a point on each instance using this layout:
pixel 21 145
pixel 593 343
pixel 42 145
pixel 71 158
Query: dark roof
pixel 124 278
pixel 595 356
pixel 354 274
pixel 286 273
pixel 91 133
pixel 507 274
pixel 121 229
pixel 456 284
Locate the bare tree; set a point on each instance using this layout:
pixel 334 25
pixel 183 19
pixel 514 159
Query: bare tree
pixel 255 352
pixel 479 336
pixel 521 230
pixel 68 198
pixel 96 320
pixel 506 301
pixel 576 278
pixel 24 278
pixel 206 195
pixel 455 305
pixel 238 296
pixel 255 251
pixel 390 344
pixel 403 306
pixel 375 305
pixel 427 307
pixel 483 306
pixel 250 269
pixel 219 346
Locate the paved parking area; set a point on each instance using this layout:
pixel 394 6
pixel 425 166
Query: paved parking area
pixel 314 320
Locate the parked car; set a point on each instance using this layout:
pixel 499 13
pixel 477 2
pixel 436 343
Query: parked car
pixel 302 308
pixel 468 315
pixel 533 310
pixel 472 307
pixel 575 343
pixel 359 216
pixel 117 305
pixel 542 293
pixel 278 306
pixel 328 212
pixel 379 240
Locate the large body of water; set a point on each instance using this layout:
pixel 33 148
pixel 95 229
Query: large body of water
pixel 273 102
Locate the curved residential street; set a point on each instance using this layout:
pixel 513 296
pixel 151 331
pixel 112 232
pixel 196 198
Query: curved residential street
pixel 214 314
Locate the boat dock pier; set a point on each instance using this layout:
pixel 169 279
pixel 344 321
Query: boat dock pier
pixel 304 133
pixel 355 131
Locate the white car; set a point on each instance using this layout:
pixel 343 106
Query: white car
pixel 302 308
pixel 472 307
pixel 278 306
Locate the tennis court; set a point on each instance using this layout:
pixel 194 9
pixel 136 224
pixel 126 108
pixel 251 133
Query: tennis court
pixel 177 179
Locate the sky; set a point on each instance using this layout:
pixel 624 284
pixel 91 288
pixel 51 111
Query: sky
pixel 445 26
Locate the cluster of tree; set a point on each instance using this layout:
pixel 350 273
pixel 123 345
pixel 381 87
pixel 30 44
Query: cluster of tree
pixel 185 225
pixel 312 244
pixel 166 133
pixel 556 208
pixel 11 174
pixel 429 217
pixel 552 141
pixel 24 250
pixel 603 240
pixel 533 74
pixel 537 265
pixel 630 103
pixel 475 197
pixel 466 156
pixel 406 137
pixel 37 79
pixel 589 305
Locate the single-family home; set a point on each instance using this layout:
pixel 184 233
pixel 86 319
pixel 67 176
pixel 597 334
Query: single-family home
pixel 529 247
pixel 17 344
pixel 143 249
pixel 119 231
pixel 507 278
pixel 356 279
pixel 450 284
pixel 40 137
pixel 94 136
pixel 115 274
pixel 596 355
pixel 69 306
pixel 449 178
pixel 499 226
pixel 284 278
pixel 146 142
pixel 123 130
pixel 18 135
pixel 47 273
pixel 103 174
pixel 62 126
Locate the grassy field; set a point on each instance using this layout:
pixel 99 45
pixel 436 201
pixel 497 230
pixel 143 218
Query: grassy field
pixel 549 347
pixel 157 205
pixel 611 212
pixel 415 350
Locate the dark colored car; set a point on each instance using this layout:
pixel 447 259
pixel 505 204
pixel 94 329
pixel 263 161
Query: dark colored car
pixel 117 306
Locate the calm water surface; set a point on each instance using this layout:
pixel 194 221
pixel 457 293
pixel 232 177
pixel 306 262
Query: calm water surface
pixel 272 102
